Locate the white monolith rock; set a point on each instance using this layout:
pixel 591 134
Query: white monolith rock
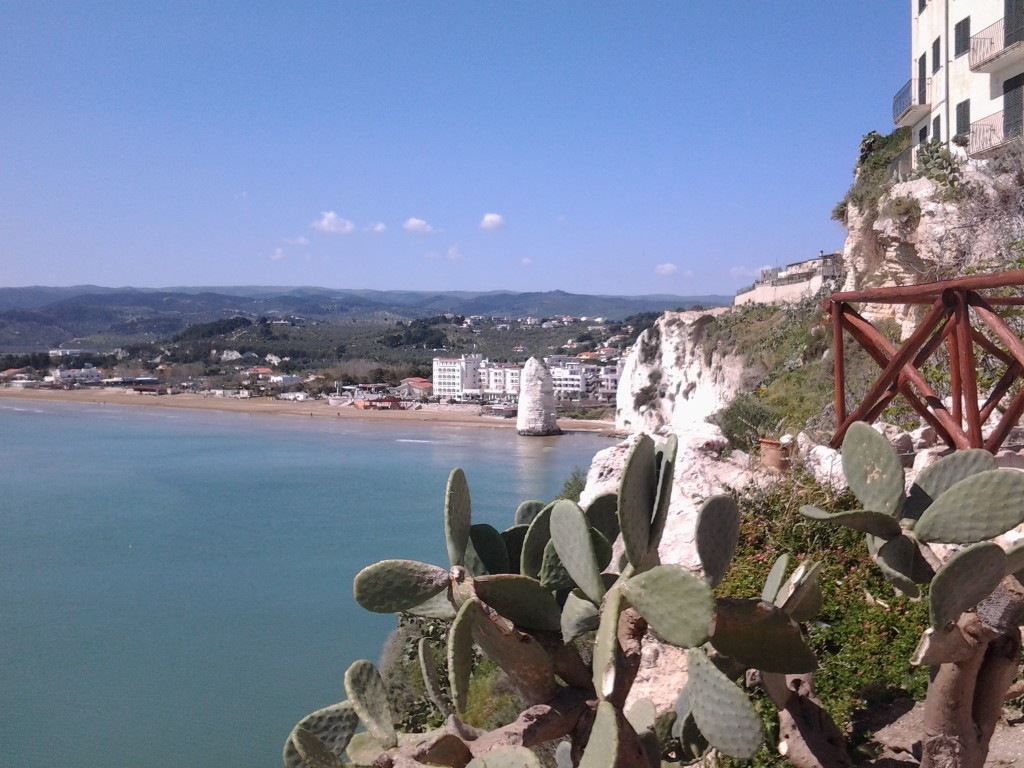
pixel 536 401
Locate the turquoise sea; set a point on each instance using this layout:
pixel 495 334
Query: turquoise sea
pixel 176 587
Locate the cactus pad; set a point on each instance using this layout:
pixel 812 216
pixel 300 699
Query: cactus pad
pixel 489 547
pixel 801 587
pixel 602 751
pixel 722 711
pixel 431 679
pixel 312 752
pixel 963 581
pixel 520 656
pixel 935 479
pixel 513 538
pixel 603 514
pixel 392 586
pixel 460 656
pixel 977 508
pixel 521 600
pixel 579 616
pixel 879 524
pixel 903 565
pixel 332 726
pixel 761 636
pixel 718 530
pixel 664 461
pixel 637 496
pixel 678 605
pixel 873 469
pixel 774 580
pixel 528 510
pixel 606 644
pixel 1015 560
pixel 570 535
pixel 365 690
pixel 537 537
pixel 458 514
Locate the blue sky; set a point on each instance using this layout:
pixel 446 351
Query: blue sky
pixel 594 147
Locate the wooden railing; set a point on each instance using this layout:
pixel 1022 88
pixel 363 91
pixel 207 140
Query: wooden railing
pixel 952 304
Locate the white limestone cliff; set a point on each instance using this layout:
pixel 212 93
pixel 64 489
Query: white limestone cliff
pixel 536 401
pixel 670 382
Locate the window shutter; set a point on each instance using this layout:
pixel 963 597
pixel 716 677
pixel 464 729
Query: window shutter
pixel 936 132
pixel 1013 24
pixel 962 37
pixel 963 118
pixel 1013 106
pixel 922 135
pixel 936 54
pixel 922 80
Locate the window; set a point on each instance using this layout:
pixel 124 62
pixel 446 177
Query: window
pixel 921 5
pixel 922 80
pixel 922 135
pixel 963 118
pixel 936 54
pixel 962 37
pixel 936 133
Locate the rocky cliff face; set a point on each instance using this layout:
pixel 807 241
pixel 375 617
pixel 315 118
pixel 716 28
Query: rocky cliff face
pixel 669 382
pixel 920 231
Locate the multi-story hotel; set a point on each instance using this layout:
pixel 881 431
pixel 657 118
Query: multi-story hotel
pixel 966 85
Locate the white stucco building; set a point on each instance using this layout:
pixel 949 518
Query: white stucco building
pixel 966 86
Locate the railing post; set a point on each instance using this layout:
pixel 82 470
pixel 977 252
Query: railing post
pixel 839 360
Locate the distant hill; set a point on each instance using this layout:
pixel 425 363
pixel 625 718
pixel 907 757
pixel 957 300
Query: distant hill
pixel 39 317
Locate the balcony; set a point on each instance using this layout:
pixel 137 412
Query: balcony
pixel 912 102
pixel 996 48
pixel 991 133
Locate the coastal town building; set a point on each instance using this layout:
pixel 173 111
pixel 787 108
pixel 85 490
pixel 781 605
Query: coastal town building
pixel 793 282
pixel 472 377
pixel 966 86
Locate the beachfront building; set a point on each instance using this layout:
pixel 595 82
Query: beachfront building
pixel 84 375
pixel 966 87
pixel 457 378
pixel 472 377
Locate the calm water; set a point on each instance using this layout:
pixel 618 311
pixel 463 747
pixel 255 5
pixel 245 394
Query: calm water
pixel 176 588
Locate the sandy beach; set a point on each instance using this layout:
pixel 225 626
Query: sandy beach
pixel 318 409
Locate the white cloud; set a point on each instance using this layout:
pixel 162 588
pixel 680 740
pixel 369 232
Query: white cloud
pixel 332 223
pixel 492 221
pixel 666 270
pixel 417 225
pixel 745 273
pixel 526 261
pixel 454 254
pixel 377 228
pixel 300 240
pixel 277 255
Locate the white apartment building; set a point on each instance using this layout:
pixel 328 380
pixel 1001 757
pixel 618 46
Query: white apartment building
pixel 966 86
pixel 472 377
pixel 457 378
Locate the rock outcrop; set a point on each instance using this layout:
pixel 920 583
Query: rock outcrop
pixel 536 401
pixel 920 231
pixel 670 382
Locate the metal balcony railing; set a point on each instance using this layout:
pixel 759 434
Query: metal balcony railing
pixel 914 94
pixel 987 133
pixel 992 41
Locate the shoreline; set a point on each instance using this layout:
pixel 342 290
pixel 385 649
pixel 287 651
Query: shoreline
pixel 317 409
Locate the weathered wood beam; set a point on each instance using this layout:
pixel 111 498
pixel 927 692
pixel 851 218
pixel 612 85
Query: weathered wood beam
pixel 925 293
pixel 968 373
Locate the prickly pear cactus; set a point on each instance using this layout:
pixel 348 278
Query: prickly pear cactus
pixel 527 597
